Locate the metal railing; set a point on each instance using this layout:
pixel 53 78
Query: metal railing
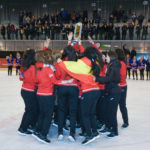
pixel 21 45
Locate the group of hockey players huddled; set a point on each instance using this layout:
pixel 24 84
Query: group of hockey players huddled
pixel 73 88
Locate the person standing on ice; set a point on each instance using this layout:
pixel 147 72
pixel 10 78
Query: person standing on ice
pixel 113 92
pixel 67 95
pixel 101 104
pixel 10 64
pixel 45 80
pixel 148 68
pixel 141 67
pixel 18 62
pixel 27 75
pixel 123 85
pixel 44 77
pixel 128 62
pixel 83 70
pixel 134 65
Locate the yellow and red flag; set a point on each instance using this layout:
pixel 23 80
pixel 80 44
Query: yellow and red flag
pixel 80 70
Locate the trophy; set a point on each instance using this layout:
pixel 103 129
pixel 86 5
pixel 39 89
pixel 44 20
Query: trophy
pixel 77 31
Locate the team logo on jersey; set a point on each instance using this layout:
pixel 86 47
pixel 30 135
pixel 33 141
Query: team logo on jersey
pixel 50 75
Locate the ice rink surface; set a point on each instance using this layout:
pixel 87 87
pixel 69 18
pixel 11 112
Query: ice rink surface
pixel 135 137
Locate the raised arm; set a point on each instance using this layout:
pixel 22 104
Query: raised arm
pixel 93 44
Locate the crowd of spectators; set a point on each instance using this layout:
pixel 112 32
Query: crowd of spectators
pixel 57 25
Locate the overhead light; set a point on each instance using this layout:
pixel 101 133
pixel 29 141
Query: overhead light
pixel 93 4
pixel 13 10
pixel 145 3
pixel 44 5
pixel 1 6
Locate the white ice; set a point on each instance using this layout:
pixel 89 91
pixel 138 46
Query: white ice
pixel 135 137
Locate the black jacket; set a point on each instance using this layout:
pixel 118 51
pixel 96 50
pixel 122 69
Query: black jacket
pixel 112 78
pixel 133 53
pixel 147 65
